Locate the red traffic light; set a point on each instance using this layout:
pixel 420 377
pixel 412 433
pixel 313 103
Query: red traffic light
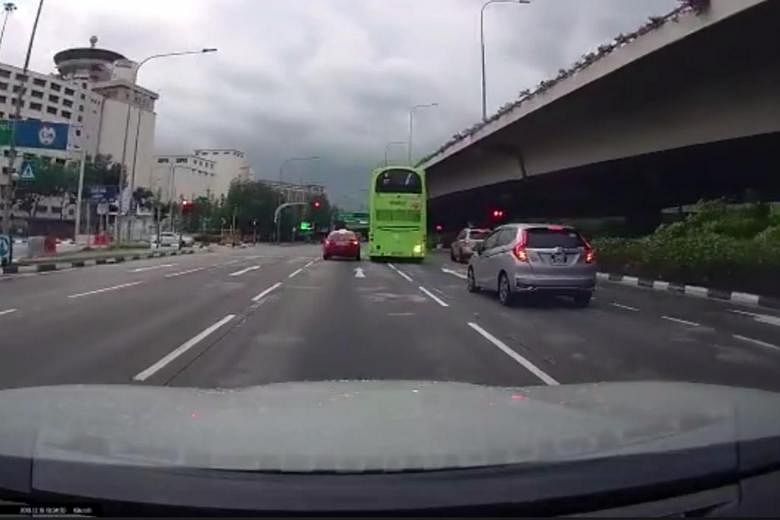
pixel 498 213
pixel 316 204
pixel 439 227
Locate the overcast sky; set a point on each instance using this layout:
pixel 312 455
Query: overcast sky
pixel 332 78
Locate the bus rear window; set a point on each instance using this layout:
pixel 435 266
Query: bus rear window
pixel 398 181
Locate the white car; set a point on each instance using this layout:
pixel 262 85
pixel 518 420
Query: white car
pixel 167 239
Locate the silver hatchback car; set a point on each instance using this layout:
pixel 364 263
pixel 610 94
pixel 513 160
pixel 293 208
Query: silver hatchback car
pixel 526 258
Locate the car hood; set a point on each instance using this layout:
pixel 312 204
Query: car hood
pixel 355 426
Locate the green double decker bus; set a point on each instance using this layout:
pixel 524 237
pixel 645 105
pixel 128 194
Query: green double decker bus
pixel 397 206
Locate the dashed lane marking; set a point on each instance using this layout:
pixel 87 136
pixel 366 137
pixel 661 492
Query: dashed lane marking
pixel 756 342
pixel 454 273
pixel 182 273
pixel 624 307
pixel 433 296
pixel 682 322
pixel 151 268
pixel 105 289
pixel 295 273
pixel 7 311
pixel 403 274
pixel 266 292
pixel 184 347
pixel 538 372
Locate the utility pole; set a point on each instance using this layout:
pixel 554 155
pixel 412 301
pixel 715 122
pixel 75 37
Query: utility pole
pixel 77 223
pixel 12 175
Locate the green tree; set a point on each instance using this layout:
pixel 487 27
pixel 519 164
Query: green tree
pixel 250 201
pixel 51 180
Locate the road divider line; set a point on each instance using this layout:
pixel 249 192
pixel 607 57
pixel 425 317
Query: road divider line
pixel 184 347
pixel 433 296
pixel 295 273
pixel 756 342
pixel 266 292
pixel 182 273
pixel 760 318
pixel 105 289
pixel 624 307
pixel 538 372
pixel 403 274
pixel 682 322
pixel 454 273
pixel 309 264
pixel 244 271
pixel 151 268
pixel 7 311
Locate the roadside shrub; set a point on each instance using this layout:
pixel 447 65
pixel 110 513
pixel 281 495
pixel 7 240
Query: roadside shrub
pixel 770 235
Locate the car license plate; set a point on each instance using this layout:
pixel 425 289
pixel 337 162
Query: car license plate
pixel 559 258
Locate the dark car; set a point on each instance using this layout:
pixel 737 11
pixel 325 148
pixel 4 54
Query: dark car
pixel 341 243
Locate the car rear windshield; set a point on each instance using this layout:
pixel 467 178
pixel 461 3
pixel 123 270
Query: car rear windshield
pixel 548 238
pixel 478 234
pixel 398 181
pixel 342 236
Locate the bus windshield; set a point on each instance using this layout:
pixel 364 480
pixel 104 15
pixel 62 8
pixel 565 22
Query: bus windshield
pixel 398 181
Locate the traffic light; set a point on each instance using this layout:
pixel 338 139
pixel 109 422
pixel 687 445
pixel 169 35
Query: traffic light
pixel 497 214
pixel 186 207
pixel 439 228
pixel 316 204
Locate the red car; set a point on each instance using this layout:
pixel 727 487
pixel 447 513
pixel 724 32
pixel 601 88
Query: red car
pixel 341 243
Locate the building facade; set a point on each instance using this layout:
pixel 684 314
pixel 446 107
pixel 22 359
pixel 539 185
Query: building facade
pixel 184 177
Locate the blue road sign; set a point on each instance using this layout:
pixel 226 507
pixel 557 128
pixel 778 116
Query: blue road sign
pixel 41 134
pixel 27 171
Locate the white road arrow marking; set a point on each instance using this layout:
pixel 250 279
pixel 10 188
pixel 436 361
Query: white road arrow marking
pixel 244 271
pixel 359 272
pixel 454 273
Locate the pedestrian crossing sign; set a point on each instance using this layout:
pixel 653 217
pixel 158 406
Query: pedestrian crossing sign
pixel 28 173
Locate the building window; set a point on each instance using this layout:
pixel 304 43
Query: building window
pixel 21 77
pixel 162 160
pixel 40 208
pixel 51 110
pixel 56 87
pixel 60 161
pixel 13 102
pixel 36 106
pixel 37 94
pixel 56 209
pixel 67 103
pixel 69 91
pixel 181 160
pixel 54 99
pixel 82 96
pixel 79 119
pixel 71 212
pixel 5 73
pixel 3 99
pixel 65 114
pixel 17 88
pixel 81 108
pixel 83 84
pixel 3 86
pixel 78 132
pixel 38 82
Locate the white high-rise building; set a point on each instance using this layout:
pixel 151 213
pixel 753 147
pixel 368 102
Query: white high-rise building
pixel 95 92
pixel 231 165
pixel 204 173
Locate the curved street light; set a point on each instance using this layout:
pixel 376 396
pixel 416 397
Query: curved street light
pixel 411 126
pixel 8 7
pixel 482 45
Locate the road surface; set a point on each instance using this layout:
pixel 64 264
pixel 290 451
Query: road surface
pixel 267 314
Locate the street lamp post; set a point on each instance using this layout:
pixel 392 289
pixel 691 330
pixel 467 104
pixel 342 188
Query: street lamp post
pixel 11 187
pixel 482 45
pixel 411 126
pixel 281 176
pixel 388 145
pixel 138 124
pixel 8 7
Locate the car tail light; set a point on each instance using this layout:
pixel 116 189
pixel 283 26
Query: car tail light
pixel 590 255
pixel 519 251
pixel 353 242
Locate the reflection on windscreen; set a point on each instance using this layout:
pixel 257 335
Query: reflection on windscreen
pixel 398 181
pixel 478 234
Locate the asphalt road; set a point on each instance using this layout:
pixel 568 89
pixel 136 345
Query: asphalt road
pixel 241 317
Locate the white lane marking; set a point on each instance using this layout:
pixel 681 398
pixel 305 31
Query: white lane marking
pixel 359 272
pixel 400 314
pixel 150 268
pixel 58 271
pixel 184 347
pixel 309 264
pixel 538 372
pixel 231 262
pixel 433 296
pixel 683 322
pixel 7 311
pixel 295 273
pixel 756 342
pixel 624 307
pixel 182 273
pixel 403 274
pixel 266 292
pixel 105 289
pixel 454 273
pixel 244 271
pixel 761 318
